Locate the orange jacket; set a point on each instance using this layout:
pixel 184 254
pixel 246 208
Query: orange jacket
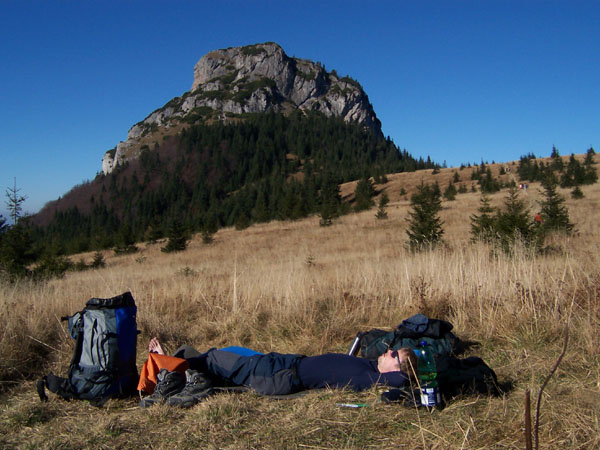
pixel 153 365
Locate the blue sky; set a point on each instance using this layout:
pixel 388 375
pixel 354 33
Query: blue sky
pixel 456 80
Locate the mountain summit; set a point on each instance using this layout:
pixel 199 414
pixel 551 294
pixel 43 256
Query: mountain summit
pixel 251 79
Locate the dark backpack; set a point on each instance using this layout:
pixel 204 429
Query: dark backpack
pixel 410 333
pixel 104 359
pixel 468 376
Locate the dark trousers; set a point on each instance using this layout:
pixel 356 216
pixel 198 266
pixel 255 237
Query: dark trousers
pixel 269 374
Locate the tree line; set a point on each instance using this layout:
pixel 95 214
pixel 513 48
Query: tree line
pixel 256 168
pixel 513 224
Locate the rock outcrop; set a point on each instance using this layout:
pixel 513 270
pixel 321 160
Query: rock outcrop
pixel 252 79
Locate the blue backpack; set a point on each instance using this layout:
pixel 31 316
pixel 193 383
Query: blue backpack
pixel 104 360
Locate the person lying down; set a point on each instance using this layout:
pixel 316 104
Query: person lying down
pixel 274 373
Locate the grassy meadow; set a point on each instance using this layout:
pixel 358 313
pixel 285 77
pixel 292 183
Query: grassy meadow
pixel 298 287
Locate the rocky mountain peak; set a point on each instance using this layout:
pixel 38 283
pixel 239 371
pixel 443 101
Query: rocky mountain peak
pixel 251 79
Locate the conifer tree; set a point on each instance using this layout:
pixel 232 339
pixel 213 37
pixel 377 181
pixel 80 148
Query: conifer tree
pixel 16 246
pixel 16 251
pixel 590 174
pixel 260 211
pixel 15 202
pixel 424 225
pixel 450 192
pixel 557 162
pixel 577 193
pixel 242 221
pixel 98 260
pixel 383 201
pixel 125 240
pixel 488 183
pixel 573 174
pixel 555 215
pixel 514 223
pixel 330 200
pixel 363 194
pixel 483 225
pixel 177 237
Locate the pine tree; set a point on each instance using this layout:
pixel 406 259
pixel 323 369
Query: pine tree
pixel 590 174
pixel 260 211
pixel 573 174
pixel 577 193
pixel 450 192
pixel 98 260
pixel 363 194
pixel 16 246
pixel 555 215
pixel 513 223
pixel 330 200
pixel 424 225
pixel 488 183
pixel 383 201
pixel 177 238
pixel 125 240
pixel 15 202
pixel 557 162
pixel 16 251
pixel 483 225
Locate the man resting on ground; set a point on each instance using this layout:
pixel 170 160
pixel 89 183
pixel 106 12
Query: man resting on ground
pixel 281 374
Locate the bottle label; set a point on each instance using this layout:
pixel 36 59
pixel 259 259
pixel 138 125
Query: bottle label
pixel 430 396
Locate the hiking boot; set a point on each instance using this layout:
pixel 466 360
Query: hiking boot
pixel 197 388
pixel 169 383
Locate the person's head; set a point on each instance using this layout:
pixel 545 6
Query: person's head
pixel 403 359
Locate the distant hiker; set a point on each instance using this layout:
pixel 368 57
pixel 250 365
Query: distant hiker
pixel 275 373
pixel 538 219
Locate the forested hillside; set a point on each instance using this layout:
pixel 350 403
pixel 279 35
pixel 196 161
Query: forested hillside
pixel 253 169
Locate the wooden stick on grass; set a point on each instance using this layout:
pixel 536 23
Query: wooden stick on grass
pixel 539 401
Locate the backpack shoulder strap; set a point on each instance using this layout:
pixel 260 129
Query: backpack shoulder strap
pixel 76 331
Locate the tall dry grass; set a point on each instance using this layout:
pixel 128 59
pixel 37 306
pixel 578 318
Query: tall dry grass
pixel 298 287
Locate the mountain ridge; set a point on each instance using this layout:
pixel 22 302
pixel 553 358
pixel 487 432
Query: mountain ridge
pixel 229 83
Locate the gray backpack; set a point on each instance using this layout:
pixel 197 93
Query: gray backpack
pixel 104 359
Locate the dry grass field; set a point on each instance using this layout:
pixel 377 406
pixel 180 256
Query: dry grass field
pixel 299 287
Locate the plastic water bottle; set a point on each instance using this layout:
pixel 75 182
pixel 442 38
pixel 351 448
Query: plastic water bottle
pixel 427 372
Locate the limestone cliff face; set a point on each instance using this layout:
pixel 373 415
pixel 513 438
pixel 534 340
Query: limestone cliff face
pixel 252 79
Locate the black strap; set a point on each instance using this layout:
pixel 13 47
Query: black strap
pixel 41 389
pixel 78 347
pixel 58 385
